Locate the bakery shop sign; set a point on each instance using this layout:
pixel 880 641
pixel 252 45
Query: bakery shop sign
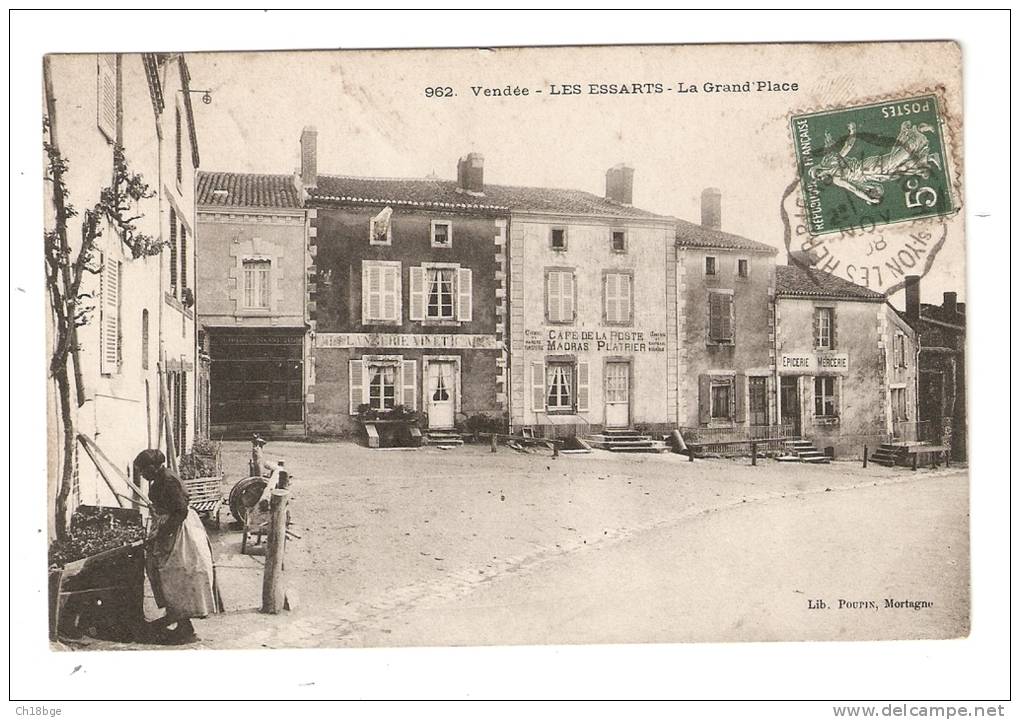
pixel 814 363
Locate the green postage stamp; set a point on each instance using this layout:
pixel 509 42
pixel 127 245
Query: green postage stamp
pixel 872 165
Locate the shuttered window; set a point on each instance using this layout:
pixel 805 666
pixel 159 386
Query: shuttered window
pixel 109 354
pixel 559 386
pixel 106 96
pixel 380 292
pixel 721 399
pixel 173 252
pixel 410 382
pixel 179 142
pixel 356 382
pixel 184 257
pixel 720 317
pixel 382 383
pixel 559 296
pixel 617 291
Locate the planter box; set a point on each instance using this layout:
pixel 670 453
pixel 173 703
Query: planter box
pixel 392 433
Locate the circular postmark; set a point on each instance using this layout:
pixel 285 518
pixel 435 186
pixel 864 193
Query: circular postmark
pixel 875 194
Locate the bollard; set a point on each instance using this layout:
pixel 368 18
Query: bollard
pixel 492 447
pixel 865 456
pixel 556 449
pixel 690 454
pixel 274 592
pixel 754 453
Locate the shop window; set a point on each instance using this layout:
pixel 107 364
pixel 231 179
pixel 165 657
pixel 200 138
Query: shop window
pixel 442 234
pixel 560 293
pixel 619 241
pixel 618 306
pixel 441 292
pixel 742 268
pixel 256 283
pixel 380 292
pixel 825 397
pixel 824 336
pixel 710 265
pixel 558 238
pixel 720 318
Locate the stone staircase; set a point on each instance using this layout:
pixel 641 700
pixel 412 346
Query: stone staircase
pixel 888 454
pixel 801 450
pixel 625 441
pixel 447 438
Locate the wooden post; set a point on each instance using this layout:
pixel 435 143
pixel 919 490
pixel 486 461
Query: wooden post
pixel 754 453
pixel 274 592
pixel 492 448
pixel 865 456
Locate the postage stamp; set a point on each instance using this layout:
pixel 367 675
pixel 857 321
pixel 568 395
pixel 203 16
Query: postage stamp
pixel 873 165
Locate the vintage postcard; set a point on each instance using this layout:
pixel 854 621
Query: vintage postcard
pixel 504 346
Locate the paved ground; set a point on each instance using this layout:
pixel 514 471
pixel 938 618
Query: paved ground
pixel 434 547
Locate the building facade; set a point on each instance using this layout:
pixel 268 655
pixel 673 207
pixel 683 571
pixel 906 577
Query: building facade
pixel 409 299
pixel 252 297
pixel 143 315
pixel 846 363
pixel 592 311
pixel 725 294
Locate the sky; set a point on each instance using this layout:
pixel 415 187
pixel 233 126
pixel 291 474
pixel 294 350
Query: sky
pixel 374 118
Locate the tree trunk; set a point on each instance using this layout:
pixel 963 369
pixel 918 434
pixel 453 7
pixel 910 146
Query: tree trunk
pixel 60 512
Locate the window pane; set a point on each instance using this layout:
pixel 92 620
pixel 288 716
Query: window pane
pixel 441 234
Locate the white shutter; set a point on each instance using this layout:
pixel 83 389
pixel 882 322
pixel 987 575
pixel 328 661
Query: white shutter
pixel 410 383
pixel 552 296
pixel 106 96
pixel 417 293
pixel 390 292
pixel 623 298
pixel 538 387
pixel 582 387
pixel 110 317
pixel 567 297
pixel 464 294
pixel 356 383
pixel 371 292
pixel 612 298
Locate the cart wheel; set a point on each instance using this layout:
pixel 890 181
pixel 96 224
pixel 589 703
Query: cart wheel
pixel 245 494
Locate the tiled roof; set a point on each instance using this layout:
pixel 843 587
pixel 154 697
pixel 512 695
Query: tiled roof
pixel 443 194
pixel 796 281
pixel 689 234
pixel 246 190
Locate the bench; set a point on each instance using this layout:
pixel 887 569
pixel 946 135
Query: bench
pixel 933 451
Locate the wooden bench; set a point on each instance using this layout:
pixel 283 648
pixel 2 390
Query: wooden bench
pixel 931 450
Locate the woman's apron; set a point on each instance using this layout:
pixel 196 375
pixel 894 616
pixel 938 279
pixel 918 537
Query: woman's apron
pixel 181 570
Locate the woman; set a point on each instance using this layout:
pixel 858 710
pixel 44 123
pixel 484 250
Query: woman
pixel 179 558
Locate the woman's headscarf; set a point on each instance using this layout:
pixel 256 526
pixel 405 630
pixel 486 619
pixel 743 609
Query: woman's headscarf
pixel 150 458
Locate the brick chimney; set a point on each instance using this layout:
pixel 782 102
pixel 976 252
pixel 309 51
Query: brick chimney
pixel 711 208
pixel 620 184
pixel 309 170
pixel 949 307
pixel 470 174
pixel 912 287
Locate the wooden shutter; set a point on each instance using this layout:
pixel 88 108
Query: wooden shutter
pixel 726 316
pixel 390 292
pixel 184 259
pixel 740 391
pixel 567 296
pixel 110 323
pixel 410 382
pixel 552 296
pixel 356 383
pixel 714 315
pixel 464 294
pixel 417 282
pixel 832 329
pixel 611 290
pixel 106 96
pixel 538 387
pixel 173 252
pixel 704 399
pixel 371 292
pixel 583 381
pixel 626 308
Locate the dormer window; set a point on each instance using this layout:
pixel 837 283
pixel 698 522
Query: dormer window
pixel 380 229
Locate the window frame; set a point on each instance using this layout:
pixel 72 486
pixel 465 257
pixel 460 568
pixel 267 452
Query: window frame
pixel 432 233
pixel 730 384
pixel 398 290
pixel 743 268
pixel 732 339
pixel 711 266
pixel 629 274
pixel 571 366
pixel 825 312
pixel 393 364
pixel 439 268
pixel 820 381
pixel 549 271
pixel 257 267
pixel 389 233
pixel 552 231
pixel 612 241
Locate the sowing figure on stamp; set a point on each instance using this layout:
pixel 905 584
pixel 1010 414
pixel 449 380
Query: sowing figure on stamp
pixel 864 177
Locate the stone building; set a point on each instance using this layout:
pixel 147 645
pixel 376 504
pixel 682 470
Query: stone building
pixel 409 298
pixel 143 307
pixel 592 311
pixel 942 385
pixel 253 258
pixel 846 362
pixel 725 288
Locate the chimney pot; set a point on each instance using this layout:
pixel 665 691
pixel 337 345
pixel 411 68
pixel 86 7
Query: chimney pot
pixel 711 208
pixel 471 174
pixel 309 165
pixel 949 306
pixel 620 184
pixel 912 287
